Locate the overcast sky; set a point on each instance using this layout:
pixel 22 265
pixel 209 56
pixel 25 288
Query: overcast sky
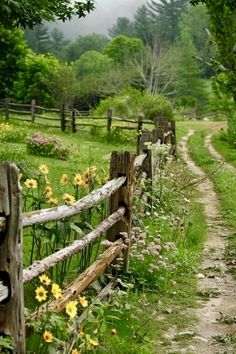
pixel 102 18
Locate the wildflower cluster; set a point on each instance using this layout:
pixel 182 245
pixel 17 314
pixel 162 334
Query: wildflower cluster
pixel 5 128
pixel 60 332
pixel 38 144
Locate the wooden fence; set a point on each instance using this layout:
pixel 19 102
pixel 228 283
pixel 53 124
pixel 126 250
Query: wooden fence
pixel 117 226
pixel 65 119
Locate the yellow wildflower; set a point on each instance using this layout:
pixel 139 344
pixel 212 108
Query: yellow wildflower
pixel 31 183
pixel 56 291
pixel 83 301
pixel 45 279
pixel 52 201
pixel 64 179
pixel 81 331
pixel 93 342
pixel 44 169
pixel 41 294
pixel 69 199
pixel 113 331
pixel 78 181
pixel 46 179
pixel 71 308
pixel 85 181
pixel 48 337
pixel 49 192
pixel 75 351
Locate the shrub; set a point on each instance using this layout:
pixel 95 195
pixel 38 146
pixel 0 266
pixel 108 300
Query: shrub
pixel 47 146
pixel 130 102
pixel 11 134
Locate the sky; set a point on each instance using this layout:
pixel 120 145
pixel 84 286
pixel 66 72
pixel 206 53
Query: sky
pixel 102 18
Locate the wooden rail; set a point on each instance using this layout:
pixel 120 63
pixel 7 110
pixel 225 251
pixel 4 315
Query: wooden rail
pixel 117 226
pixel 65 211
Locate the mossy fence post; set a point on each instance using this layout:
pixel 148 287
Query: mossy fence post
pixel 7 107
pixel 32 109
pixel 73 121
pixel 63 118
pixel 122 164
pixel 12 322
pixel 109 120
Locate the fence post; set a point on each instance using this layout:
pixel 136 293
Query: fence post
pixel 63 118
pixel 12 321
pixel 139 130
pixel 142 148
pixel 173 138
pixel 122 164
pixel 109 120
pixel 73 121
pixel 7 107
pixel 33 104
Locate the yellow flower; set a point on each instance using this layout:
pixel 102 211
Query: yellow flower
pixel 81 331
pixel 31 183
pixel 46 179
pixel 64 179
pixel 113 331
pixel 75 351
pixel 78 181
pixel 49 192
pixel 41 294
pixel 85 181
pixel 48 337
pixel 45 279
pixel 83 301
pixel 71 308
pixel 56 291
pixel 93 342
pixel 52 201
pixel 69 199
pixel 43 168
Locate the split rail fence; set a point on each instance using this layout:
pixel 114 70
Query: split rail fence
pixel 124 168
pixel 65 119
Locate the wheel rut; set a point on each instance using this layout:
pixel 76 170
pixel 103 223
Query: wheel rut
pixel 214 280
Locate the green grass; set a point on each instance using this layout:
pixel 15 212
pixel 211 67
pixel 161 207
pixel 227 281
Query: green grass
pixel 223 147
pixel 225 185
pixel 159 300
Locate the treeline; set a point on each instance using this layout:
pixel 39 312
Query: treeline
pixel 165 49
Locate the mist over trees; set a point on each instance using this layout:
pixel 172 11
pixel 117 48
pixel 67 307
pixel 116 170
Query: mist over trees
pixel 166 48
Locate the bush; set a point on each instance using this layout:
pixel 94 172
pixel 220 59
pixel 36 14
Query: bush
pixel 131 102
pixel 11 134
pixel 47 146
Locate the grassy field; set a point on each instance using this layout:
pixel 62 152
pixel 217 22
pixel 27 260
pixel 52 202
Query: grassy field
pixel 155 295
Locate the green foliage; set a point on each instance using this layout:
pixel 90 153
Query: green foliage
pixel 30 12
pixel 93 64
pixel 33 80
pixel 143 25
pixel 167 14
pixel 38 39
pixel 83 44
pixel 47 146
pixel 121 48
pixel 13 51
pixel 130 102
pixel 123 27
pixel 189 88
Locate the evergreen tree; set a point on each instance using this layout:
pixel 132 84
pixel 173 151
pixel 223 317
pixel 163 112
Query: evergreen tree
pixel 189 87
pixel 123 27
pixel 167 13
pixel 143 25
pixel 38 39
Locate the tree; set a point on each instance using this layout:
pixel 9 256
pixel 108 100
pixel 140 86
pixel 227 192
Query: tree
pixel 197 23
pixel 167 13
pixel 63 84
pixel 58 42
pixel 123 27
pixel 143 25
pixel 122 48
pixel 13 51
pixel 83 44
pixel 38 39
pixel 33 80
pixel 223 25
pixel 189 87
pixel 32 12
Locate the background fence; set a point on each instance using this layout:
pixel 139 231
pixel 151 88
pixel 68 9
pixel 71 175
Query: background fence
pixel 125 168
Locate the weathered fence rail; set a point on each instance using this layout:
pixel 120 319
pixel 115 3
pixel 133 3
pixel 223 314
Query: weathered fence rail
pixel 117 227
pixel 64 119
